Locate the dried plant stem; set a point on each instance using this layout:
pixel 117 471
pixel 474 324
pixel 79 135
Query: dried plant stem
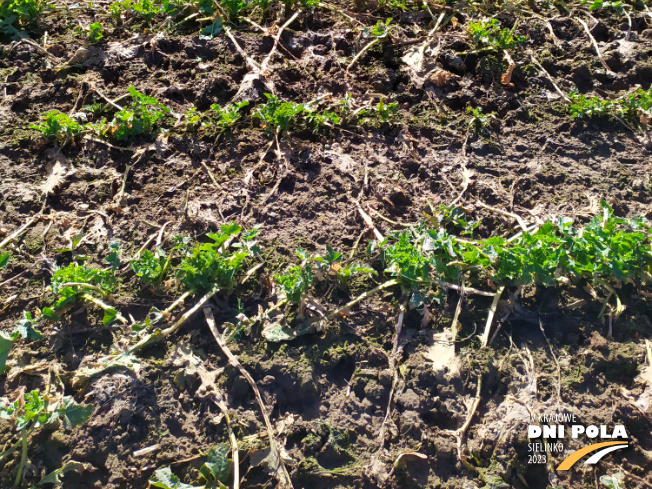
pixel 364 49
pixel 550 79
pixel 518 218
pixel 277 38
pixel 18 232
pixel 368 221
pixel 284 476
pixel 362 297
pixel 490 316
pixel 595 45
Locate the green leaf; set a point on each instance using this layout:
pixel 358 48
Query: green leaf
pixel 230 229
pixel 54 477
pixel 109 316
pixel 217 466
pixel 73 413
pixel 50 314
pixel 165 479
pixel 25 327
pixel 4 259
pixel 208 33
pixel 276 333
pixel 6 342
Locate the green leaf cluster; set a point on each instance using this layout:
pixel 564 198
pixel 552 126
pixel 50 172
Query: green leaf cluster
pixel 58 126
pixel 635 107
pixel 95 33
pixel 146 9
pixel 17 13
pixel 296 282
pixel 34 410
pixel 488 34
pixel 215 264
pixel 142 116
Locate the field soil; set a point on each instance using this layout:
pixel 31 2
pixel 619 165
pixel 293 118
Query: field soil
pixel 345 411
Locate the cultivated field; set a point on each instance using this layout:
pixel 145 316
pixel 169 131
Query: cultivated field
pixel 323 244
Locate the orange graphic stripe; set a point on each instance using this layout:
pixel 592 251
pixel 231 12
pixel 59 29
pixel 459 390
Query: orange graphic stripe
pixel 575 456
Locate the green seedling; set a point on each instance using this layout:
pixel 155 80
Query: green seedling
pixel 234 8
pixel 635 108
pixel 296 282
pixel 192 120
pixel 213 265
pixel 447 217
pixel 321 120
pixel 165 479
pixel 479 122
pixel 346 104
pixel 582 106
pixel 58 127
pixel 146 9
pixel 386 111
pixel 76 283
pixel 332 261
pixel 489 35
pixel 379 30
pixel 217 468
pixel 26 329
pixel 95 33
pixel 150 267
pixel 291 4
pixel 35 411
pixel 142 117
pixel 4 260
pixel 226 117
pixel 277 116
pixel 599 4
pixel 399 4
pixel 15 14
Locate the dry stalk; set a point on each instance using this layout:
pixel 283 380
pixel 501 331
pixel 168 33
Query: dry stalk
pixel 232 439
pixel 550 79
pixel 368 221
pixel 518 218
pixel 19 231
pixel 490 316
pixel 284 476
pixel 392 365
pixel 595 45
pixel 264 65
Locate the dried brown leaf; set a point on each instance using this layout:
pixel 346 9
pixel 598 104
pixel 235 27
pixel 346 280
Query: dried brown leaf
pixel 59 171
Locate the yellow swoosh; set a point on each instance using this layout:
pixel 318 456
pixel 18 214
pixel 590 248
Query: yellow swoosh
pixel 575 456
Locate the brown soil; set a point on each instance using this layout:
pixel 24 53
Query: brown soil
pixel 328 393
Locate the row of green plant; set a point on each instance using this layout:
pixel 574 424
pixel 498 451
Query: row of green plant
pixel 145 115
pixel 607 255
pixel 635 108
pixel 231 10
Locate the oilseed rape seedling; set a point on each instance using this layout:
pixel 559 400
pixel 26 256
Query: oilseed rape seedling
pixel 18 13
pixel 34 411
pixel 489 35
pixel 95 34
pixel 142 117
pixel 635 107
pixel 58 126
